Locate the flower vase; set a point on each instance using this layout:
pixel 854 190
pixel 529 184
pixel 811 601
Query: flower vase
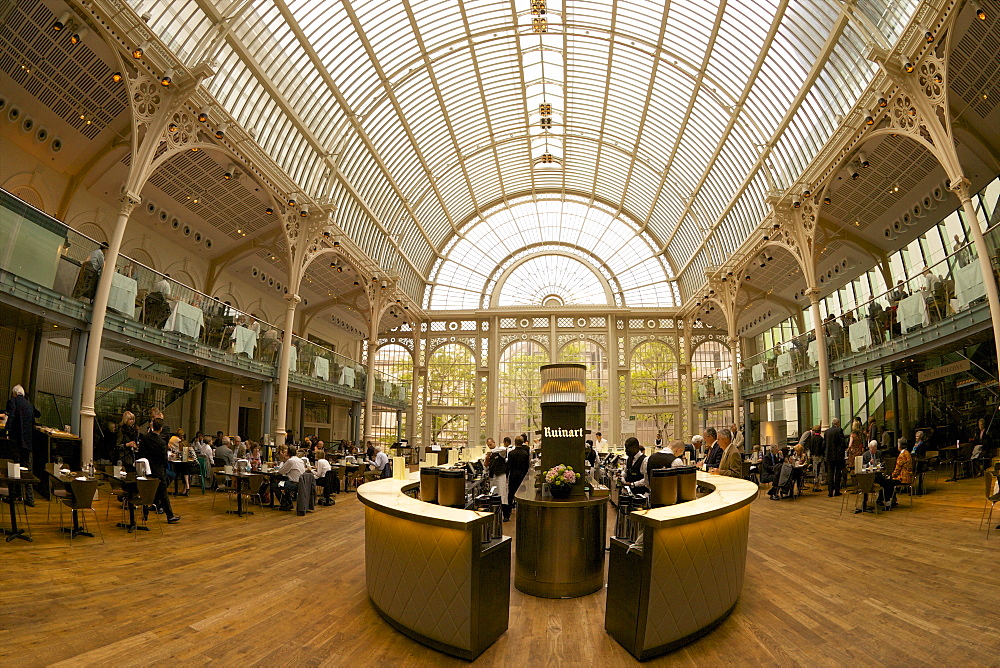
pixel 560 491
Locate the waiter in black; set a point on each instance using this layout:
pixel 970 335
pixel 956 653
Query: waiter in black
pixel 518 465
pixel 634 470
pixel 154 449
pixel 20 429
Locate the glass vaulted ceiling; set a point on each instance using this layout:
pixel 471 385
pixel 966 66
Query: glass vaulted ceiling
pixel 417 115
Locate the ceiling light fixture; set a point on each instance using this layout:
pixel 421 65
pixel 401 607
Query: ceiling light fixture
pixel 116 76
pixel 60 22
pixel 78 36
pixel 981 14
pixel 203 116
pixel 863 159
pixel 230 171
pixel 269 211
pixel 167 79
pixel 220 131
pixel 138 51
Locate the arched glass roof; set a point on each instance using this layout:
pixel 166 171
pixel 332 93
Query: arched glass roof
pixel 572 234
pixel 415 114
pixel 547 280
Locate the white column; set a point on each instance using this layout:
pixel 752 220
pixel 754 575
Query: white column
pixel 370 390
pixel 283 364
pixel 93 359
pixel 688 387
pixel 734 347
pixel 411 419
pixel 824 362
pixel 989 282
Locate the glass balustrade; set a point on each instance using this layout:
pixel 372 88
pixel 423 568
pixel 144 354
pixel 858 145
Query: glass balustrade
pixel 945 289
pixel 53 256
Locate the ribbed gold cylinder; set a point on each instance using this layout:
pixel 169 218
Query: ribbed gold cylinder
pixel 563 383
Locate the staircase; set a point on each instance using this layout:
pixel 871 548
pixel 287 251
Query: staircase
pixel 119 392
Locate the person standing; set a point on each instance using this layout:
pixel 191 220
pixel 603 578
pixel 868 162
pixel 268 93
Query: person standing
pixel 496 466
pixel 153 448
pixel 833 439
pixel 518 465
pixel 635 470
pixel 20 429
pixel 856 444
pixel 737 437
pixel 817 451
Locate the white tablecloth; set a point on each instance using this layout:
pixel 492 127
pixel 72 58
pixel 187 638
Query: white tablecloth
pixel 245 341
pixel 757 372
pixel 186 319
pixel 718 386
pixel 347 376
pixel 321 368
pixel 784 363
pixel 293 360
pixel 813 352
pixel 969 284
pixel 912 311
pixel 122 295
pixel 861 335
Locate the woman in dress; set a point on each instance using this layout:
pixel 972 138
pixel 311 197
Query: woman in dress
pixel 856 444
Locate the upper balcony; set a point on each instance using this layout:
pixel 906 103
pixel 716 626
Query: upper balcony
pixel 52 270
pixel 942 305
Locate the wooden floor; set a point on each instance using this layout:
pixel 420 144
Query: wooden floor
pixel 913 587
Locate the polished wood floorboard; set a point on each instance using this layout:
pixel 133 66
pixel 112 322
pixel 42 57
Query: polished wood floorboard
pixel 912 587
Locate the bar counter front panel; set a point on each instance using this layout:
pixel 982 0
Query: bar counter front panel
pixel 428 572
pixel 689 574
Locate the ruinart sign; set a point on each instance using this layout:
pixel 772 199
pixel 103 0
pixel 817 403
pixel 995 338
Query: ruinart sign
pixel 549 432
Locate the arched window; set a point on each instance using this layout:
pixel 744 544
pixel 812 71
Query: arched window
pixel 586 351
pixel 451 376
pixel 519 383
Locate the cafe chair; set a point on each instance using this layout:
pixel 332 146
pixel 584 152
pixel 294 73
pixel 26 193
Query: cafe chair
pixel 909 487
pixel 83 495
pixel 224 484
pixel 252 490
pixel 991 500
pixel 144 496
pixel 117 493
pixel 57 493
pixel 867 487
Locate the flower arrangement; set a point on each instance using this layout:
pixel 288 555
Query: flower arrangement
pixel 561 476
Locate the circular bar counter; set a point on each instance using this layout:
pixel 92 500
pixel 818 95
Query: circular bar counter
pixel 687 573
pixel 429 574
pixel 560 543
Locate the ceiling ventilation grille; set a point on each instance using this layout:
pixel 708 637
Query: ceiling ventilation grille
pixel 68 79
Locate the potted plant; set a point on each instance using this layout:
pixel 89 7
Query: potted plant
pixel 561 479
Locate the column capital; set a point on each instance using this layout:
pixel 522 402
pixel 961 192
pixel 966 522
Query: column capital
pixel 813 294
pixel 127 202
pixel 960 187
pixel 292 299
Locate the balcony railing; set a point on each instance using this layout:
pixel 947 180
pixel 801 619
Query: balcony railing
pixel 912 311
pixel 44 261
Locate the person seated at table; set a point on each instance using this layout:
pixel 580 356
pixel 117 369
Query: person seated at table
pixel 157 305
pixel 755 456
pixel 90 273
pixel 904 466
pixel 872 462
pixel 325 477
pixel 224 455
pixel 731 463
pixel 695 448
pixel 800 465
pixel 381 462
pixel 770 468
pixel 206 450
pixel 291 469
pixel 255 456
pixel 877 322
pixel 899 294
pixel 920 447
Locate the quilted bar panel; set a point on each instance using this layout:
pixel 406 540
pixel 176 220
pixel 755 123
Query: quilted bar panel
pixel 421 576
pixel 697 575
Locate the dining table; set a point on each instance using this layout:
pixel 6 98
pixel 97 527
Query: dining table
pixel 180 467
pixel 13 485
pixel 242 480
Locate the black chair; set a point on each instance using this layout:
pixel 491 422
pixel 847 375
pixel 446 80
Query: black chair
pixel 83 496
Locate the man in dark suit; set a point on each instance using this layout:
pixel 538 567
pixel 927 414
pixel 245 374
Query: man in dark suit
pixel 20 429
pixel 154 448
pixel 833 439
pixel 518 465
pixel 714 455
